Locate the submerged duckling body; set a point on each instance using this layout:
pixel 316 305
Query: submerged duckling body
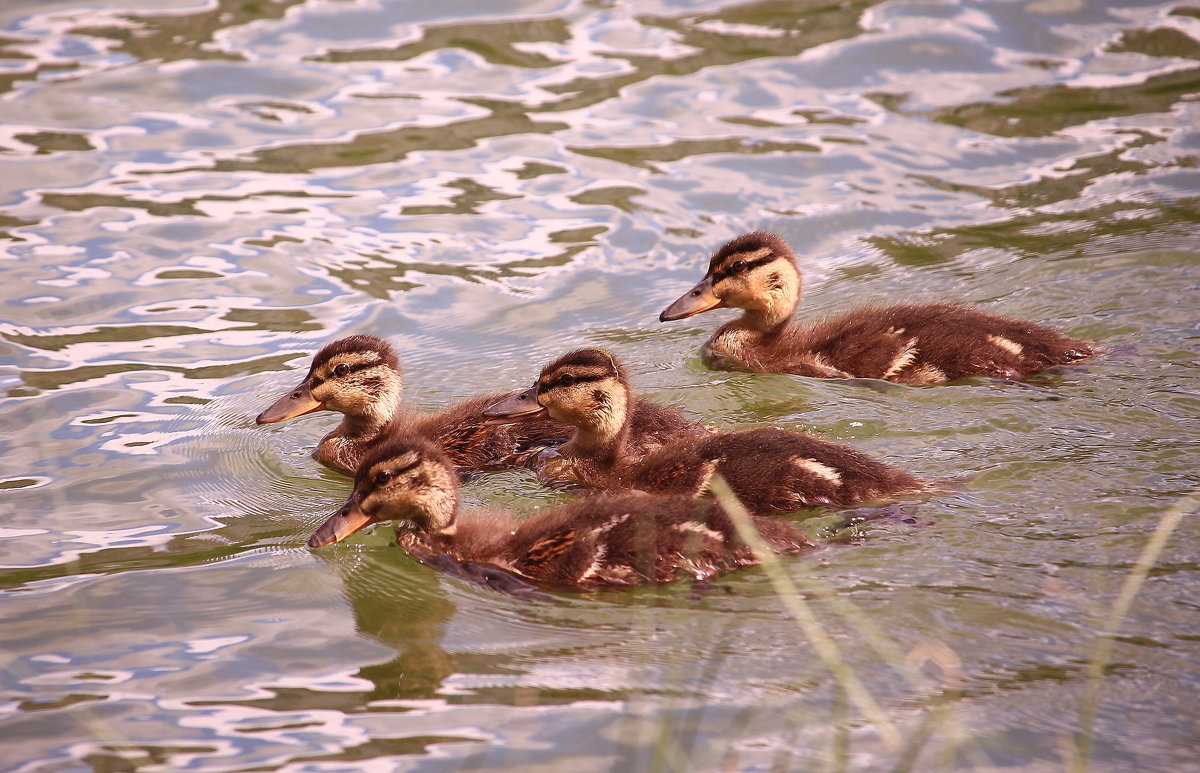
pixel 910 343
pixel 609 540
pixel 770 470
pixel 359 377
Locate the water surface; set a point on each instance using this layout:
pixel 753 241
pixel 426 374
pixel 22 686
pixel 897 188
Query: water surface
pixel 195 196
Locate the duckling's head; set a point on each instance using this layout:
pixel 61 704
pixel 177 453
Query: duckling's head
pixel 358 376
pixel 587 388
pixel 756 272
pixel 405 479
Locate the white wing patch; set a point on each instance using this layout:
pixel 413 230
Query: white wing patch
pixel 818 469
pixel 694 527
pixel 597 562
pixel 612 524
pixel 907 356
pixel 1007 344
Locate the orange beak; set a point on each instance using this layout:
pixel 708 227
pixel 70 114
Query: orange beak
pixel 699 298
pixel 296 403
pixel 349 519
pixel 516 408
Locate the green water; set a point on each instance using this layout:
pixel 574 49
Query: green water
pixel 194 197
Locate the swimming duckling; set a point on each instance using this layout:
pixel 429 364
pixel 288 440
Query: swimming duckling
pixel 770 470
pixel 589 390
pixel 911 343
pixel 359 377
pixel 612 540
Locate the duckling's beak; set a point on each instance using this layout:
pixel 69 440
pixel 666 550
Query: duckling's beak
pixel 348 519
pixel 516 408
pixel 295 403
pixel 699 298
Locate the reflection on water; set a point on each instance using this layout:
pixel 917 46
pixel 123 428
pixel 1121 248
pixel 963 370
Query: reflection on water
pixel 197 196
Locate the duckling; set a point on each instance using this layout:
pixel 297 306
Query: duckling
pixel 611 540
pixel 911 343
pixel 770 470
pixel 359 377
pixel 606 420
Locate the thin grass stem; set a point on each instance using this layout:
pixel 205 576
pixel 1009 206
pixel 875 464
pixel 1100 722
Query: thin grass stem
pixel 799 609
pixel 1102 649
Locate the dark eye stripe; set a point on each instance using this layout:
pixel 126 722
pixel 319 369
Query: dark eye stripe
pixel 543 388
pixel 357 367
pixel 317 381
pixel 406 467
pixel 393 473
pixel 750 264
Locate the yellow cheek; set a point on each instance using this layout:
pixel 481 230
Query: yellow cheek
pixel 735 297
pixel 560 399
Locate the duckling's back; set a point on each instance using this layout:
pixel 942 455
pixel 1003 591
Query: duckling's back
pixel 629 539
pixel 473 445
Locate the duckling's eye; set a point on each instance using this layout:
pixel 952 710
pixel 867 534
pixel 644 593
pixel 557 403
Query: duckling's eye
pixel 382 477
pixel 566 379
pixel 738 266
pixel 341 369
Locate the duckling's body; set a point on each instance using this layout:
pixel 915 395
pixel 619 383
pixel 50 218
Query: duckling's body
pixel 612 540
pixel 911 343
pixel 775 471
pixel 359 377
pixel 770 470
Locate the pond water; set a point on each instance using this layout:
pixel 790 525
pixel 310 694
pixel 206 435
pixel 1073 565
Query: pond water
pixel 197 195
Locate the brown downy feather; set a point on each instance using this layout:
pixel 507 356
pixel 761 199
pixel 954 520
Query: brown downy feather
pixel 359 376
pixel 618 539
pixel 610 540
pixel 770 470
pixel 471 444
pixel 910 343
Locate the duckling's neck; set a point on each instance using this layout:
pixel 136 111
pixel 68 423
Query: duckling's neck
pixel 436 508
pixel 371 418
pixel 604 431
pixel 762 323
pixel 772 308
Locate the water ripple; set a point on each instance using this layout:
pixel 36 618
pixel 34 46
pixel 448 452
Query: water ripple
pixel 198 197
